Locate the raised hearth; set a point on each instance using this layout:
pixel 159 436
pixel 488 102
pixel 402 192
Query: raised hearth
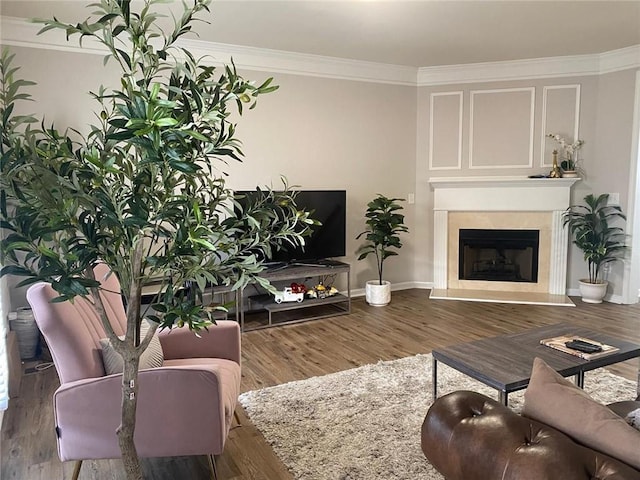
pixel 498 205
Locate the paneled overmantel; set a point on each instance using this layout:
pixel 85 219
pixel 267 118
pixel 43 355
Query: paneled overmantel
pixel 503 203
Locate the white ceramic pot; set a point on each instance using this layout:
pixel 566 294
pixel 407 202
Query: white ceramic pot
pixel 569 174
pixel 593 292
pixel 378 295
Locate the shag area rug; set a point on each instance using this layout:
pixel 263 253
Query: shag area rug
pixel 364 423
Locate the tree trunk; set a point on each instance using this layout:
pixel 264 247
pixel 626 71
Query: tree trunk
pixel 126 430
pixel 131 358
pixel 130 352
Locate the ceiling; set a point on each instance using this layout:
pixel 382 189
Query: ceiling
pixel 412 33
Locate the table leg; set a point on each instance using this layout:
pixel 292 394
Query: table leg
pixel 503 398
pixel 580 380
pixel 434 380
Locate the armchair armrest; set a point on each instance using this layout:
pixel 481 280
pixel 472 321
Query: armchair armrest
pixel 180 412
pixel 222 340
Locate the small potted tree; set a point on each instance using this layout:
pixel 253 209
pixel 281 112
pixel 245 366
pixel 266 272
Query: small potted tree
pixel 384 225
pixel 601 243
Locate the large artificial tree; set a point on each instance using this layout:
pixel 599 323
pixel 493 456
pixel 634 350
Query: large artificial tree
pixel 144 191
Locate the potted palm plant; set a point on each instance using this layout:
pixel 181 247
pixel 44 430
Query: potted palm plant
pixel 384 224
pixel 601 243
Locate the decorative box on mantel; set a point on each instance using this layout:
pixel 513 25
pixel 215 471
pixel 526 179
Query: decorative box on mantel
pixel 501 204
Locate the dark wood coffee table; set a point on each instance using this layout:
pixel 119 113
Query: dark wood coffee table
pixel 504 362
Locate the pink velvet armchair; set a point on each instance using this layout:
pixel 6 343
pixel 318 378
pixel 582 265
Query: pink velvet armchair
pixel 185 407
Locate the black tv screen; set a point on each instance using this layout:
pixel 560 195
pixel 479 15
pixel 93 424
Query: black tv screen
pixel 328 239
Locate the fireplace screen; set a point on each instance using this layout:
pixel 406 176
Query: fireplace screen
pixel 498 255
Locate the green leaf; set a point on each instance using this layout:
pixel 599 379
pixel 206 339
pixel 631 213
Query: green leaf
pixel 118 30
pixel 197 135
pixel 124 56
pixel 14 270
pixel 166 122
pixel 184 166
pixel 47 252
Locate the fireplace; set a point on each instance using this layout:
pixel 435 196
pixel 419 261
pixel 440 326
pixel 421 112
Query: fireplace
pixel 506 206
pixel 497 255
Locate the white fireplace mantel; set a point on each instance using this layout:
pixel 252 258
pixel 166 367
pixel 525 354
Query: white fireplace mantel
pixel 463 182
pixel 502 194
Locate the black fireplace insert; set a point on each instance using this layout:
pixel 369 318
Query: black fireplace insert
pixel 498 255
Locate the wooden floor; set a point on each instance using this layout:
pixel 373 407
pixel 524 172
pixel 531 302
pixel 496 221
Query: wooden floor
pixel 411 324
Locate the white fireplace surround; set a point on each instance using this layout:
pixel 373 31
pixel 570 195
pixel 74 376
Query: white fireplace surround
pixel 501 194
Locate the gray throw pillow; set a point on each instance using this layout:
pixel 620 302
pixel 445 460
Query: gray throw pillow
pixel 152 357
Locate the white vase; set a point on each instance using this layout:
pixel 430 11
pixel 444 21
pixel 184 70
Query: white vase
pixel 593 292
pixel 378 295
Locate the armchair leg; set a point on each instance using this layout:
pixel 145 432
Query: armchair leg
pixel 212 467
pixel 237 417
pixel 76 470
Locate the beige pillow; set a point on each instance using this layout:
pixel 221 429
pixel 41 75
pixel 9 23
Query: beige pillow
pixel 152 357
pixel 553 400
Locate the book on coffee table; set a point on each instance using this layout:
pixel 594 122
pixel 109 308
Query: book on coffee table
pixel 558 343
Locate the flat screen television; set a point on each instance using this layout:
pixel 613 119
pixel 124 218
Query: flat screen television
pixel 327 240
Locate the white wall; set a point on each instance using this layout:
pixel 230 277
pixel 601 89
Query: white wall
pixel 319 133
pixel 336 134
pixel 614 133
pixel 369 138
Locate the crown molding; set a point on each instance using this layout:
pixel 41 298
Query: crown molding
pixel 621 59
pixel 19 32
pixel 278 61
pixel 509 70
pixel 567 66
pixel 23 33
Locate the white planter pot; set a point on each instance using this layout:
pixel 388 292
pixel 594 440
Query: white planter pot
pixel 593 292
pixel 378 295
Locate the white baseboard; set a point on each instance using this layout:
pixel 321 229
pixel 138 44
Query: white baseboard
pixel 571 292
pixel 614 299
pixel 359 292
pixel 575 292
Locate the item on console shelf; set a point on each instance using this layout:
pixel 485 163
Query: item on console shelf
pixel 288 295
pixel 298 287
pixel 321 291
